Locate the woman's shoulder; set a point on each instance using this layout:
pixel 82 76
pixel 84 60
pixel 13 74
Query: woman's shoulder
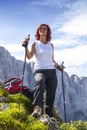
pixel 34 44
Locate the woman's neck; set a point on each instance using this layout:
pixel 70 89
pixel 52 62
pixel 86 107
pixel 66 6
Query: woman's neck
pixel 43 40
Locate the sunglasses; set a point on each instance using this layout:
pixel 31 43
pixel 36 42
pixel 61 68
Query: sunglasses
pixel 43 29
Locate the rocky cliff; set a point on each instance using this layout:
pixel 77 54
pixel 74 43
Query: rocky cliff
pixel 10 67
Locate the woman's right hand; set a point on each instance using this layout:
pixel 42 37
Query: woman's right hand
pixel 25 42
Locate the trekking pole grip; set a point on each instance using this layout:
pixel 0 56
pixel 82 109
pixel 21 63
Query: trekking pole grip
pixel 25 44
pixel 62 63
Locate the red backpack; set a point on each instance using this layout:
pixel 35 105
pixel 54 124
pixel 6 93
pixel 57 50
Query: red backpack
pixel 13 85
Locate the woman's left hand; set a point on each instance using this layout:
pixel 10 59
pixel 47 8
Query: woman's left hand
pixel 60 67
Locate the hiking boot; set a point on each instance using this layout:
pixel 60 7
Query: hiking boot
pixel 44 119
pixel 53 124
pixel 37 112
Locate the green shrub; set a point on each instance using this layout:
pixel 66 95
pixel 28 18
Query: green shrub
pixel 15 117
pixel 67 126
pixel 80 125
pixel 19 118
pixel 74 125
pixel 34 124
pixel 3 92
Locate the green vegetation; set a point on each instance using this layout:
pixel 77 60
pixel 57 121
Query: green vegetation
pixel 74 125
pixel 14 118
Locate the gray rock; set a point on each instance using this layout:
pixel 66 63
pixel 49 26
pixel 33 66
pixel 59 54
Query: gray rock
pixel 10 67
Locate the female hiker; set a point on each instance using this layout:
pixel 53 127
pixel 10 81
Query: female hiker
pixel 44 70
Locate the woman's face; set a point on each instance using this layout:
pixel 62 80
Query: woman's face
pixel 43 30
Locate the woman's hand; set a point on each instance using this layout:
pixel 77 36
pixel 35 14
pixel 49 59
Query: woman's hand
pixel 25 42
pixel 59 67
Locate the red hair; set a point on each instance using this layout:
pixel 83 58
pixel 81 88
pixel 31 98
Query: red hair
pixel 48 32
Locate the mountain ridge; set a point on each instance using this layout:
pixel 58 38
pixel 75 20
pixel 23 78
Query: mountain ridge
pixel 75 86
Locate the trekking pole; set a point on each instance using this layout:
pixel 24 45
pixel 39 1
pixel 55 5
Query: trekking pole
pixel 25 45
pixel 64 100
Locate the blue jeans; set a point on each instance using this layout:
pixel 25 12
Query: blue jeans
pixel 45 81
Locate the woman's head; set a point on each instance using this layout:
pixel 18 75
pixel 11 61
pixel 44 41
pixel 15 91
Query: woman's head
pixel 44 27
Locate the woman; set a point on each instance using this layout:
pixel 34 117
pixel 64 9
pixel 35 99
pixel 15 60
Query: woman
pixel 44 70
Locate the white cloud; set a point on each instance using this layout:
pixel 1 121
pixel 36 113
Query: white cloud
pixel 13 47
pixel 75 56
pixel 74 59
pixel 76 26
pixel 66 41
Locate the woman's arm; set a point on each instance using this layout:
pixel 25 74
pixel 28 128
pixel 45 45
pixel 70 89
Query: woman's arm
pixel 54 62
pixel 59 67
pixel 31 50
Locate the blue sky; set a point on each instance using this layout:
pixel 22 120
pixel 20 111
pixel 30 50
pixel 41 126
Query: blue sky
pixel 68 22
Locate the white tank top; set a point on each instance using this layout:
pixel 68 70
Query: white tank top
pixel 43 56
